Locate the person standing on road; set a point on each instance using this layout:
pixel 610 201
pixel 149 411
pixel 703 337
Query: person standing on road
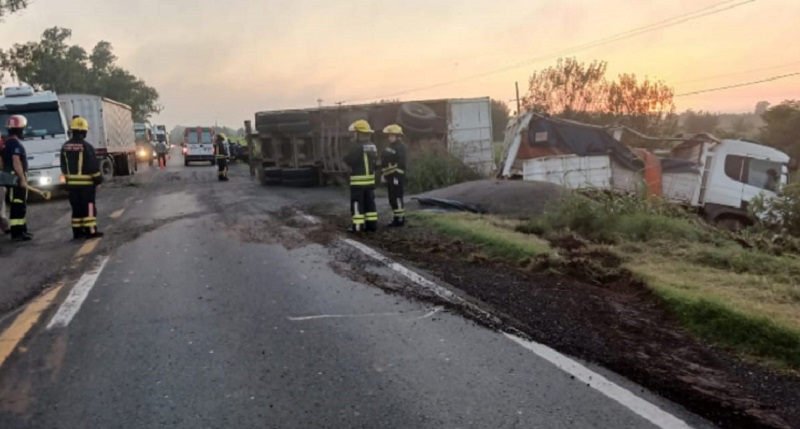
pixel 361 160
pixel 221 150
pixel 5 228
pixel 81 169
pixel 14 161
pixel 161 151
pixel 393 161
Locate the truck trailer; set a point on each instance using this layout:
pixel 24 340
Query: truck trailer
pixel 305 147
pixel 110 131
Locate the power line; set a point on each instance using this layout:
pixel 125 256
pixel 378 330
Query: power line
pixel 676 20
pixel 702 79
pixel 739 85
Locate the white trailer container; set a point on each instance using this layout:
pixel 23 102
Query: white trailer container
pixel 110 130
pixel 470 132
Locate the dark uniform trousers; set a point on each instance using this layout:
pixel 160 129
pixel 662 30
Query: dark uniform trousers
pixel 396 184
pixel 17 200
pixel 84 210
pixel 222 168
pixel 363 209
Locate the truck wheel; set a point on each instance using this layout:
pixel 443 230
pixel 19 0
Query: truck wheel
pixel 417 116
pixel 309 182
pixel 107 169
pixel 123 165
pixel 299 173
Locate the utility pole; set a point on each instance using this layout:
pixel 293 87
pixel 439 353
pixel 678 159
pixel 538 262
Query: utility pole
pixel 518 106
pixel 319 101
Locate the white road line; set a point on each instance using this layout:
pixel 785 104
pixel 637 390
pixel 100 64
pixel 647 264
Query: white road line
pixel 641 407
pixel 69 308
pixel 311 219
pixel 348 316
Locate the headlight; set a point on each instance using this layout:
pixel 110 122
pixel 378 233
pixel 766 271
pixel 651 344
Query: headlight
pixel 45 180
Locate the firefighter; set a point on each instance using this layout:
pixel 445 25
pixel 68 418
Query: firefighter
pixel 361 160
pixel 393 160
pixel 221 151
pixel 81 169
pixel 15 163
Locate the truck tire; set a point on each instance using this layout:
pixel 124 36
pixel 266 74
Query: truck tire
pixel 299 173
pixel 122 162
pixel 308 182
pixel 417 116
pixel 107 169
pixel 273 173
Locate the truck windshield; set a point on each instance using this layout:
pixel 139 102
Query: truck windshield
pixel 43 120
pixel 140 134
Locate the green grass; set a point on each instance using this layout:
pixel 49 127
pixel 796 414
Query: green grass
pixel 745 299
pixel 494 236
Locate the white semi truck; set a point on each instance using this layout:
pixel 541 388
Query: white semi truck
pixel 45 134
pixel 110 131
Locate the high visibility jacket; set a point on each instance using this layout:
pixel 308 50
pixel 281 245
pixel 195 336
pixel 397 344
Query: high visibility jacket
pixel 361 160
pixel 221 150
pixel 79 164
pixel 393 159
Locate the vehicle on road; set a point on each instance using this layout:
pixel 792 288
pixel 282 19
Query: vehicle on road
pixel 719 178
pixel 305 148
pixel 199 145
pixel 45 134
pixel 110 131
pixel 145 143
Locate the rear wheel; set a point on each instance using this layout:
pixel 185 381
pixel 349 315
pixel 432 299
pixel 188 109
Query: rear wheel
pixel 107 169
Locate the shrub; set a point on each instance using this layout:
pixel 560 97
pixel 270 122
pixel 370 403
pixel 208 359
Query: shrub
pixel 781 213
pixel 433 167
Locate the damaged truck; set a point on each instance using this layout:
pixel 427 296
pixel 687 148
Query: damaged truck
pixel 718 178
pixel 305 148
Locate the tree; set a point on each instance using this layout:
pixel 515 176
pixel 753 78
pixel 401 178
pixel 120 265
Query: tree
pixel 741 124
pixel 700 122
pixel 500 116
pixel 574 90
pixel 761 107
pixel 646 106
pixel 783 127
pixel 8 7
pixel 567 89
pixel 52 64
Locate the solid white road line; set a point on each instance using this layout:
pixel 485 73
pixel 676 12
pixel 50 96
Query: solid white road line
pixel 641 407
pixel 348 316
pixel 69 308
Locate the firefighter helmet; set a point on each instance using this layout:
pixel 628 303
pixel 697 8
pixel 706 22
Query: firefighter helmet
pixel 16 121
pixel 79 124
pixel 393 129
pixel 360 126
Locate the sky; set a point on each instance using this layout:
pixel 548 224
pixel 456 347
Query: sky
pixel 222 61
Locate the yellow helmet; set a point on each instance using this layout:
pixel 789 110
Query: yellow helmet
pixel 360 126
pixel 393 129
pixel 79 124
pixel 223 136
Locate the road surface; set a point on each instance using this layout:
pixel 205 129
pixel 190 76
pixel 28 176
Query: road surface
pixel 221 305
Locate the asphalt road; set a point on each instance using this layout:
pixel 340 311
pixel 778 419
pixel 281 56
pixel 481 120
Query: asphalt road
pixel 217 308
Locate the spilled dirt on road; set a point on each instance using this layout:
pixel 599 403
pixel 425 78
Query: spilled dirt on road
pixel 586 305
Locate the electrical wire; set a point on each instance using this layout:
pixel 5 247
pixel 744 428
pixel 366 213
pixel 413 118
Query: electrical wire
pixel 738 85
pixel 739 73
pixel 676 20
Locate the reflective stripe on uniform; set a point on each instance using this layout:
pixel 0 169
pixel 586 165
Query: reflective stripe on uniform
pixel 362 180
pixel 372 216
pixel 359 219
pixel 16 222
pixel 77 222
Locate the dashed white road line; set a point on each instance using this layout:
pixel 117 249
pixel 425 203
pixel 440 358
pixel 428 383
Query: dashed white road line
pixel 69 308
pixel 639 406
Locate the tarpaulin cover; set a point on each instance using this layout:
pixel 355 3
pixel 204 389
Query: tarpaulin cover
pixel 677 165
pixel 581 140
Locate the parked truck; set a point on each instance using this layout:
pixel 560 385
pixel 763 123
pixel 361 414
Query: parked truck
pixel 304 148
pixel 45 134
pixel 110 131
pixel 719 178
pixel 145 146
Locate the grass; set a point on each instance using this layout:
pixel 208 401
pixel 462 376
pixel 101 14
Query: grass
pixel 744 299
pixel 435 167
pixel 497 237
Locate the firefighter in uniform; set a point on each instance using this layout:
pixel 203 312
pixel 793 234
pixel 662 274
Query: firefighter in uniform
pixel 393 161
pixel 15 163
pixel 221 151
pixel 81 169
pixel 361 160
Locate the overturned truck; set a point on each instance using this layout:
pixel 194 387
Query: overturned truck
pixel 718 178
pixel 305 147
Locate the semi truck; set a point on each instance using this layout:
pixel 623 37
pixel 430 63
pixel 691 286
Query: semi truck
pixel 305 147
pixel 718 178
pixel 45 134
pixel 110 131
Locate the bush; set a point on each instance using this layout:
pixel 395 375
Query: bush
pixel 434 167
pixel 781 213
pixel 608 218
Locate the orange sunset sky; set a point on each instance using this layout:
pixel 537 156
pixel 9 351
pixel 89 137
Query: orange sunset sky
pixel 223 60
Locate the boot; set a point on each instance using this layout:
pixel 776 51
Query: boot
pixel 78 234
pixel 93 235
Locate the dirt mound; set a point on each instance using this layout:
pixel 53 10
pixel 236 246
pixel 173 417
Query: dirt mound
pixel 513 198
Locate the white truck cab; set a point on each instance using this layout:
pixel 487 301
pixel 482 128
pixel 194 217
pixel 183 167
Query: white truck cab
pixel 45 134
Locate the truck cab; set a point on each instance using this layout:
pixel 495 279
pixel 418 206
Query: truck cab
pixel 45 134
pixel 145 150
pixel 199 145
pixel 736 172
